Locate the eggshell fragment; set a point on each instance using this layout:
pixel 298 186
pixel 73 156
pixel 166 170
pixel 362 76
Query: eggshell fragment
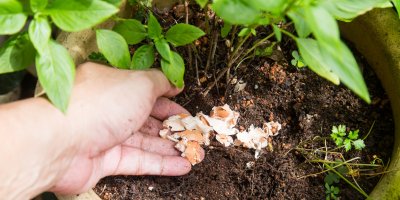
pixel 224 139
pixel 190 132
pixel 226 114
pixel 193 152
pixel 164 133
pixel 272 128
pixel 174 123
pixel 192 135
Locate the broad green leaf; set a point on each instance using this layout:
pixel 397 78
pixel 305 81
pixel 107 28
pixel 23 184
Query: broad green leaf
pixel 396 4
pixel 202 3
pixel 349 9
pixel 342 62
pixel 40 32
pixel 174 70
pixel 143 57
pixel 236 11
pixel 182 34
pixel 77 15
pixel 322 23
pixel 359 144
pixel 163 48
pixel 273 6
pixel 12 17
pixel 154 27
pixel 38 5
pixel 277 32
pixel 296 14
pixel 226 29
pixel 16 54
pixel 56 72
pixel 114 47
pixel 313 58
pixel 132 30
pixel 114 2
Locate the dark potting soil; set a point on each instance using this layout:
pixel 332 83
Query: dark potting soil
pixel 305 104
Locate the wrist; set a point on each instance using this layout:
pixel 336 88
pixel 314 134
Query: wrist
pixel 30 159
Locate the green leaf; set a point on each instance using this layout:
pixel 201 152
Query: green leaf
pixel 16 54
pixel 353 135
pixel 236 11
pixel 313 58
pixel 202 3
pixel 143 57
pixel 40 32
pixel 226 29
pixel 114 47
pixel 338 56
pixel 163 48
pixel 174 70
pixel 322 24
pixel 342 129
pixel 77 15
pixel 349 9
pixel 277 32
pixel 12 17
pixel 338 140
pixel 331 178
pixel 154 27
pixel 359 144
pixel 56 72
pixel 38 5
pixel 396 4
pixel 244 32
pixel 296 14
pixel 114 2
pixel 273 6
pixel 132 30
pixel 183 34
pixel 347 144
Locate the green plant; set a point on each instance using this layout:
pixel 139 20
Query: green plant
pixel 333 163
pixel 297 60
pixel 346 140
pixel 317 38
pixel 114 46
pixel 331 191
pixel 54 65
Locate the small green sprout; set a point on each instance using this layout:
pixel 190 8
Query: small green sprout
pixel 297 60
pixel 331 191
pixel 342 139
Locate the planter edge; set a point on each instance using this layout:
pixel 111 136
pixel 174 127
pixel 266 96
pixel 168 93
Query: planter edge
pixel 376 35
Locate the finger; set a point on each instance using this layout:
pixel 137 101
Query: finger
pixel 152 144
pixel 138 162
pixel 162 86
pixel 163 108
pixel 151 127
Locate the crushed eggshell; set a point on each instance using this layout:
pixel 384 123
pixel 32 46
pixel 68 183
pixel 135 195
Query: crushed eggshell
pixel 190 132
pixel 224 139
pixel 193 152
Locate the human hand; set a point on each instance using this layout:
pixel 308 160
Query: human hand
pixel 116 116
pixel 111 128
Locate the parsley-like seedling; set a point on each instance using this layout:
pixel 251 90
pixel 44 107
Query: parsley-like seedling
pixel 346 140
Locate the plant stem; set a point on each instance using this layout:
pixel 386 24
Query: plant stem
pixel 288 34
pixel 370 130
pixel 347 181
pixel 354 164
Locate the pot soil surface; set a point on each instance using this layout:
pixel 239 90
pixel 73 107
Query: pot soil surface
pixel 305 104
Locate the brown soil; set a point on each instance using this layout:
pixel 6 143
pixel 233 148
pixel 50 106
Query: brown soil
pixel 306 105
